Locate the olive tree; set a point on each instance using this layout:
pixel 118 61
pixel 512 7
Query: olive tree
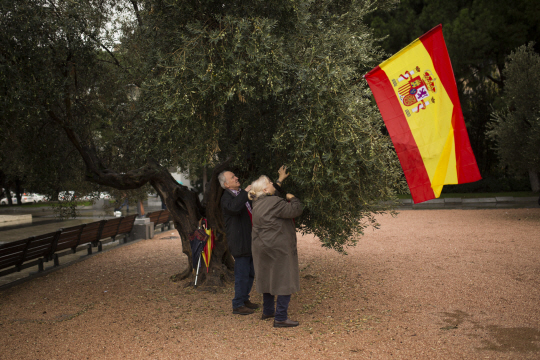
pixel 246 86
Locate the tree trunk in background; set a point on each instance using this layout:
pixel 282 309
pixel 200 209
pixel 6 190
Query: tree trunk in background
pixel 18 191
pixel 535 180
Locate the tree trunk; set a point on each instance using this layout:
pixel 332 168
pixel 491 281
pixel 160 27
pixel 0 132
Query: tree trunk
pixel 18 191
pixel 186 211
pixel 8 196
pixel 184 205
pixel 535 180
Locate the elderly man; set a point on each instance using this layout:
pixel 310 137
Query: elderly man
pixel 236 209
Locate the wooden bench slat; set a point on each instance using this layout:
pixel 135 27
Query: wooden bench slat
pixel 164 217
pixel 110 229
pixel 127 224
pixel 12 253
pixel 40 246
pixel 12 247
pixel 92 231
pixel 10 260
pixel 69 237
pixel 154 216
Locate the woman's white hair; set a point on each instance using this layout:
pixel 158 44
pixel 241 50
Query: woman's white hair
pixel 257 187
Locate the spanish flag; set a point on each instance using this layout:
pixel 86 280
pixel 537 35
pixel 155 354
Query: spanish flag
pixel 207 251
pixel 417 96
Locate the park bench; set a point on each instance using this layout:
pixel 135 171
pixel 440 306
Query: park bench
pixel 70 238
pixel 35 250
pixel 154 216
pixel 115 227
pixel 18 255
pixel 109 232
pixel 164 220
pixel 161 218
pixel 92 233
pixel 125 227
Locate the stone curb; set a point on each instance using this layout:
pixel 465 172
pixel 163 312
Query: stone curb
pixel 506 200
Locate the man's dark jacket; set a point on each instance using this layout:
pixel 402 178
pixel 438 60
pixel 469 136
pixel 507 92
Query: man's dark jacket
pixel 237 222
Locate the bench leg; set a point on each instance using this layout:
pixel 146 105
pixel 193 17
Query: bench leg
pixel 89 249
pixel 99 247
pixel 40 265
pixel 56 261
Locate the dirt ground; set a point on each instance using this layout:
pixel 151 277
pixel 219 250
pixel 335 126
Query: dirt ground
pixel 429 284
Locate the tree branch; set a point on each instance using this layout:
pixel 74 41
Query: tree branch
pixel 106 49
pixel 499 83
pixel 98 174
pixel 137 12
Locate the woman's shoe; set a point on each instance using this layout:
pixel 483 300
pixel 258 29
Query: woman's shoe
pixel 286 323
pixel 264 316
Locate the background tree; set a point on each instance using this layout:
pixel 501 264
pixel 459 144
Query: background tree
pixel 516 129
pixel 479 35
pixel 244 85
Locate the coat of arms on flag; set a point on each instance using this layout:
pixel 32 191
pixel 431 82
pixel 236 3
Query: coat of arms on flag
pixel 416 93
pixel 415 88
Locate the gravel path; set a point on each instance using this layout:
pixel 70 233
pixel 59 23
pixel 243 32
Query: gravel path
pixel 429 284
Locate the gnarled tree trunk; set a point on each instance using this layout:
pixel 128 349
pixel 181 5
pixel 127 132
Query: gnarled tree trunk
pixel 184 205
pixel 186 211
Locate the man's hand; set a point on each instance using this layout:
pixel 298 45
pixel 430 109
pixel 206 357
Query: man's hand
pixel 289 196
pixel 248 188
pixel 282 174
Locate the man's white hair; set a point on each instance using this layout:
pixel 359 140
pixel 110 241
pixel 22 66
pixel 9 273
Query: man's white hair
pixel 222 179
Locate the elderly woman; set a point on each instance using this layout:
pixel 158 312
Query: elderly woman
pixel 275 256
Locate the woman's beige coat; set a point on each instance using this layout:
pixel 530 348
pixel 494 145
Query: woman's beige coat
pixel 275 256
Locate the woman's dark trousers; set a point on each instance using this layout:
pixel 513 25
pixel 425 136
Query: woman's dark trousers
pixel 280 308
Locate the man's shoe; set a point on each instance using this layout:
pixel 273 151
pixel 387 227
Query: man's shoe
pixel 286 323
pixel 242 310
pixel 264 316
pixel 251 305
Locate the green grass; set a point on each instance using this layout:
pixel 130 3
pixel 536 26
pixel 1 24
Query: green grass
pixel 481 195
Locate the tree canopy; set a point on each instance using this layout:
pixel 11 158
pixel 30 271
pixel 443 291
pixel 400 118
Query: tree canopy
pixel 185 83
pixel 516 128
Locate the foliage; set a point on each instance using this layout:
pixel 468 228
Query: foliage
pixel 516 128
pixel 265 83
pixel 65 209
pixel 53 73
pixel 270 86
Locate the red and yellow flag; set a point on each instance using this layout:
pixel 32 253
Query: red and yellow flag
pixel 417 95
pixel 207 251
